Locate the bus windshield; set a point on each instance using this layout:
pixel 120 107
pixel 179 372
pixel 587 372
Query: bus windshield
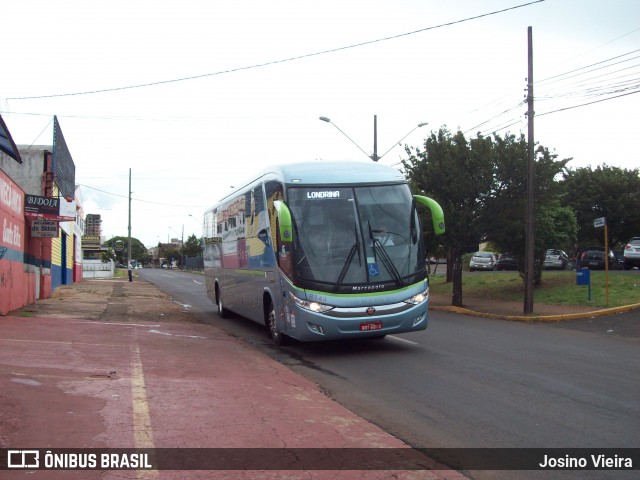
pixel 355 239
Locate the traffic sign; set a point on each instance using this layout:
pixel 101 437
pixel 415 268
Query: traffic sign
pixel 599 222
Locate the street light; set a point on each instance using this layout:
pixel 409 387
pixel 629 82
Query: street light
pixel 328 120
pixel 398 142
pixel 375 156
pixel 201 226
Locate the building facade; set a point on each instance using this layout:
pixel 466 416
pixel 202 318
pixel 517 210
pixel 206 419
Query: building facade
pixel 39 247
pixel 93 225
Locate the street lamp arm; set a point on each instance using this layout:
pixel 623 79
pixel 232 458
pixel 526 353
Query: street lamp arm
pixel 328 120
pixel 395 144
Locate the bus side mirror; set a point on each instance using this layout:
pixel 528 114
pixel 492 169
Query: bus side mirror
pixel 284 221
pixel 437 215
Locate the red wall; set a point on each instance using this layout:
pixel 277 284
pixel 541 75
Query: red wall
pixel 17 279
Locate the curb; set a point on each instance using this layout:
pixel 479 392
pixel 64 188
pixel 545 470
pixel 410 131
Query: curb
pixel 539 318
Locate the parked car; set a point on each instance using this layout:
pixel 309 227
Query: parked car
pixel 482 261
pixel 619 255
pixel 631 256
pixel 506 262
pixel 593 258
pixel 556 259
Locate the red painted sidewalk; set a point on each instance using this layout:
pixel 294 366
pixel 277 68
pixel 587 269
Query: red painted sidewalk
pixel 105 365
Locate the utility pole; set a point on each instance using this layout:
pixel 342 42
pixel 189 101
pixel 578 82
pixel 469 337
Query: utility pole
pixel 529 264
pixel 129 246
pixel 374 157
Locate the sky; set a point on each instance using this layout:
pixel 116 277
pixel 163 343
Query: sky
pixel 197 96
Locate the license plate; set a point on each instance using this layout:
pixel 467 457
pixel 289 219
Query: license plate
pixel 369 326
pixel 593 263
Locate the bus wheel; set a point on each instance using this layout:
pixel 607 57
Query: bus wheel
pixel 222 312
pixel 276 336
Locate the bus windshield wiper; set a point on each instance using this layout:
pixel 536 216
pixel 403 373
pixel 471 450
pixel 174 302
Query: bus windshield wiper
pixel 384 256
pixel 345 268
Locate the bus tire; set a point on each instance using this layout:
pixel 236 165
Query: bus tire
pixel 276 336
pixel 222 312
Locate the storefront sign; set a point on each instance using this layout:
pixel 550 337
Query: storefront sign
pixel 49 208
pixel 44 228
pixel 37 206
pixel 90 241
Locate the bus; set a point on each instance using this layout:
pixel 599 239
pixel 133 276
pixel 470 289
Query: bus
pixel 321 251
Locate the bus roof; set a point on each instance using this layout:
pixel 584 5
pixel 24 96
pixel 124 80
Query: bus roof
pixel 327 173
pixel 334 172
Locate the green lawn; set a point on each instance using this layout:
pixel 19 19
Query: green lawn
pixel 558 288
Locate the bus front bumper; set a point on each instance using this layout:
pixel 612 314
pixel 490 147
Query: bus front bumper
pixel 342 323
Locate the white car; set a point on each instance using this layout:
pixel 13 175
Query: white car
pixel 632 254
pixel 556 259
pixel 483 261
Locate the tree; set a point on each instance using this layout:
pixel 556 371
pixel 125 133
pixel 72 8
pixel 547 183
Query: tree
pixel 609 192
pixel 192 247
pixel 172 255
pixel 481 186
pixel 138 250
pixel 458 175
pixel 505 226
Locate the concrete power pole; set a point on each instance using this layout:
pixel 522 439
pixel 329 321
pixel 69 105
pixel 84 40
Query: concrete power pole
pixel 375 157
pixel 529 264
pixel 129 245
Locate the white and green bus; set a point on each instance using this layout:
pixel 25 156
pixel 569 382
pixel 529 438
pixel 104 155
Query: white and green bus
pixel 321 251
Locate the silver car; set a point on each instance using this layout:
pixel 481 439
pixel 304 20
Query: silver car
pixel 483 261
pixel 632 254
pixel 556 259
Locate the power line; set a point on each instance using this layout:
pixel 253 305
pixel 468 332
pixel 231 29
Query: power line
pixel 539 82
pixel 498 128
pixel 496 116
pixel 585 104
pixel 139 200
pixel 275 62
pixel 591 87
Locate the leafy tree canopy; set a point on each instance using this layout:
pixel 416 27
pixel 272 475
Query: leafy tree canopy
pixel 481 186
pixel 458 175
pixel 505 221
pixel 192 247
pixel 609 192
pixel 138 250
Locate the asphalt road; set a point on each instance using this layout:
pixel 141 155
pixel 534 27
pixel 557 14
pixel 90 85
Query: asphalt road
pixel 467 381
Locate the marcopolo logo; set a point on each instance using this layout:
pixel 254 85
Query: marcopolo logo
pixel 325 194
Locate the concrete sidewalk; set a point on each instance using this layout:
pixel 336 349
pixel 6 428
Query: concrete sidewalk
pixel 113 364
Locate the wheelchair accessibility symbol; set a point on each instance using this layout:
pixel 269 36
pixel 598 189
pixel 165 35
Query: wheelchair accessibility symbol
pixel 374 271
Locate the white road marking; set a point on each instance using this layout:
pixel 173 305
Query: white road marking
pixel 174 335
pixel 403 340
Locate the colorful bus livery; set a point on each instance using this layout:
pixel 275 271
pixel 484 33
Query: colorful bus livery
pixel 320 251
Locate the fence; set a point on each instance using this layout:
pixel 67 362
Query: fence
pixel 194 263
pixel 97 269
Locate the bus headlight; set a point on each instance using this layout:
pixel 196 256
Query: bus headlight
pixel 312 306
pixel 419 298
